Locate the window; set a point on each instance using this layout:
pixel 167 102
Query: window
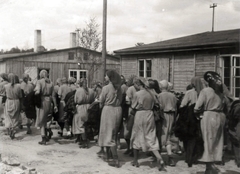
pixel 78 74
pixel 145 68
pixel 70 55
pixel 231 73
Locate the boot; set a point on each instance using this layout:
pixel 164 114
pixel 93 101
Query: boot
pixel 171 161
pixel 50 133
pixel 43 142
pixel 46 135
pixel 161 165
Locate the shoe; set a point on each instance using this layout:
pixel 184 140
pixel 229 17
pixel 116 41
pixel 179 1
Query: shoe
pixel 134 163
pixel 50 133
pixel 114 163
pixel 12 134
pixel 29 131
pixel 101 153
pixel 161 166
pixel 43 142
pixel 171 162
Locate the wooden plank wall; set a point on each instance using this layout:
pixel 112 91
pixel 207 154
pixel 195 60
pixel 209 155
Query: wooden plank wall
pixel 160 69
pixel 204 62
pixel 129 66
pixel 2 67
pixel 183 71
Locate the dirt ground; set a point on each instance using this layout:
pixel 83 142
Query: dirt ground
pixel 63 156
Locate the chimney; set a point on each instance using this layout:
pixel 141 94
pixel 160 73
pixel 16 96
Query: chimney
pixel 37 40
pixel 73 39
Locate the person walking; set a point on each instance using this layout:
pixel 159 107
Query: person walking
pixel 168 102
pixel 13 104
pixel 29 107
pixel 144 130
pixel 211 104
pixel 110 100
pixel 84 96
pixel 44 88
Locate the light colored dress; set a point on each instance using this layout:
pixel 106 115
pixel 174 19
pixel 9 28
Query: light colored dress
pixel 212 124
pixel 144 130
pixel 130 99
pixel 168 102
pixel 12 106
pixel 46 91
pixel 111 115
pixel 83 99
pixel 2 94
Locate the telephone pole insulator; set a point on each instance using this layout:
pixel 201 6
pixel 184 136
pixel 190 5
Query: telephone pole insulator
pixel 213 7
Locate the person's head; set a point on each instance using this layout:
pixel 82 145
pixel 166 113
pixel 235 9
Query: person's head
pixel 13 79
pixel 25 77
pixel 164 85
pixel 3 77
pixel 196 82
pixel 43 74
pixel 153 84
pixel 83 82
pixel 71 80
pixel 64 80
pixel 113 77
pixel 141 83
pixel 214 81
pixel 58 81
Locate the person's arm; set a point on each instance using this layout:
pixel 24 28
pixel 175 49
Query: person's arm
pixel 102 97
pixel 37 88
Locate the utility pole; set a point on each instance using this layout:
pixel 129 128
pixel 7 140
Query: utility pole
pixel 104 37
pixel 213 7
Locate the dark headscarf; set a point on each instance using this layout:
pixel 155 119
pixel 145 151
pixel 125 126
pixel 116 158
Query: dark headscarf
pixel 4 76
pixel 115 78
pixel 197 84
pixel 214 81
pixel 153 84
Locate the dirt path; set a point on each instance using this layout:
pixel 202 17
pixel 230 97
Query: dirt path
pixel 63 156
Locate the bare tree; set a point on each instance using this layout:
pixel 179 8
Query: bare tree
pixel 89 37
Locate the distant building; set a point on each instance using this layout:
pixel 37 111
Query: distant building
pixel 75 62
pixel 178 60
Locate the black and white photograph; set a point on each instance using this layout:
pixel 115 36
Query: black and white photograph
pixel 120 87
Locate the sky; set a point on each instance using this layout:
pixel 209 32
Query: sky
pixel 128 21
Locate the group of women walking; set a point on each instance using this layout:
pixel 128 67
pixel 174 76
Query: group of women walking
pixel 145 112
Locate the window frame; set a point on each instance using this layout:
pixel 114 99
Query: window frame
pixel 78 73
pixel 145 71
pixel 232 76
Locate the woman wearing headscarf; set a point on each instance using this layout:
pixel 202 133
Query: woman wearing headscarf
pixel 110 100
pixel 3 82
pixel 168 102
pixel 13 104
pixel 29 107
pixel 211 103
pixel 188 126
pixel 71 83
pixel 144 130
pixel 84 96
pixel 44 88
pixel 63 90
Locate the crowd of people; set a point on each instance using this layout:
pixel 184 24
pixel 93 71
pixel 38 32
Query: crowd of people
pixel 145 112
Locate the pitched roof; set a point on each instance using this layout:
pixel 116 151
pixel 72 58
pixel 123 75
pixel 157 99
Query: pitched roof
pixel 16 55
pixel 196 40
